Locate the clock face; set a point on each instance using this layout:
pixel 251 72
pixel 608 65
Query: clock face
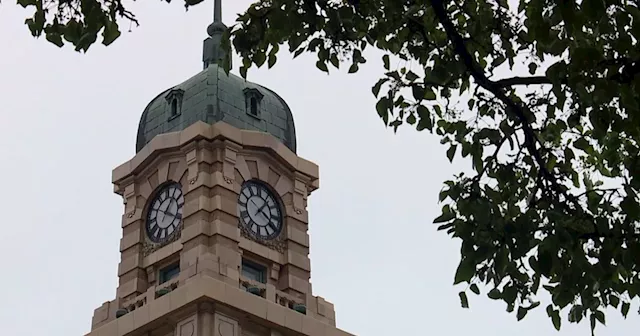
pixel 259 210
pixel 164 215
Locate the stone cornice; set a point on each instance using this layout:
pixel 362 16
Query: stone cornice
pixel 218 131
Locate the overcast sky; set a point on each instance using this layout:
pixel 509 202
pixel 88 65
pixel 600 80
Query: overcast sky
pixel 67 119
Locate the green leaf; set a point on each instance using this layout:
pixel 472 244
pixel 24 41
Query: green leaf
pixel 465 271
pixel 625 309
pixel 383 109
pixel 271 61
pixel 532 68
pixel 411 119
pixel 26 3
pixel 521 313
pixel 494 294
pixel 429 94
pixel 55 39
pixel 554 314
pixel 376 88
pixel 555 319
pixel 614 300
pixel 334 60
pixel 446 215
pixel 451 152
pixel 411 76
pixel 353 68
pixel 464 302
pixel 260 57
pixel 385 59
pixel 474 288
pixel 600 317
pixel 110 32
pixel 418 92
pixel 298 52
pixel 322 66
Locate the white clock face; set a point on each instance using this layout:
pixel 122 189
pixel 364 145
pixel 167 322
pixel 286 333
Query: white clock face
pixel 259 210
pixel 165 213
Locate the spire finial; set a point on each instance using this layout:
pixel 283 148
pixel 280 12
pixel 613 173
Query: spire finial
pixel 213 53
pixel 217 11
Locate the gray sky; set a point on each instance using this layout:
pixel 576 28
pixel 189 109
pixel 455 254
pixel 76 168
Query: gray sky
pixel 67 119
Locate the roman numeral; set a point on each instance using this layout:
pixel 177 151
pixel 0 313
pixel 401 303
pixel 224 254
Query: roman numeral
pixel 154 231
pixel 273 226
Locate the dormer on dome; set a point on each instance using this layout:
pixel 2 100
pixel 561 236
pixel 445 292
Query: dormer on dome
pixel 174 99
pixel 212 96
pixel 253 98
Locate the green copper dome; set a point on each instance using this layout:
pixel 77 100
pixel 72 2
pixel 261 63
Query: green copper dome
pixel 212 96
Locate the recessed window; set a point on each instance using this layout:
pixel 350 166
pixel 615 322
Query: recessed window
pixel 174 100
pixel 174 107
pixel 253 271
pixel 254 106
pixel 168 273
pixel 253 98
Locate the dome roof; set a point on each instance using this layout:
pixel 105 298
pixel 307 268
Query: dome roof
pixel 211 96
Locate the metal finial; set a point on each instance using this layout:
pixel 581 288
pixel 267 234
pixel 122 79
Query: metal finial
pixel 217 11
pixel 212 50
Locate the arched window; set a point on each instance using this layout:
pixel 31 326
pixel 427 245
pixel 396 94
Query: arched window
pixel 174 107
pixel 174 102
pixel 252 101
pixel 254 106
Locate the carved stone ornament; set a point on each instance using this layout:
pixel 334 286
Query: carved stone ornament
pixel 277 243
pixel 149 247
pixel 228 180
pixel 298 211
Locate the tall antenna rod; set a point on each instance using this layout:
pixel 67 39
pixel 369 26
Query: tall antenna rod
pixel 217 11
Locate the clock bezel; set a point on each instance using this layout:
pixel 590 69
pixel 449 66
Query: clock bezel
pixel 278 203
pixel 153 197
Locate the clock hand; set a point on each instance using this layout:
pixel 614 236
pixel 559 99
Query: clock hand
pixel 262 207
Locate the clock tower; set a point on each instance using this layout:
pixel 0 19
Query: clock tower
pixel 215 227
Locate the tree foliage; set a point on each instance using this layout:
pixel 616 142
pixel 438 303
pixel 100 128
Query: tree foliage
pixel 543 100
pixel 540 96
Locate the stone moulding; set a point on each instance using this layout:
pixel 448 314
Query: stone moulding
pixel 207 290
pixel 218 131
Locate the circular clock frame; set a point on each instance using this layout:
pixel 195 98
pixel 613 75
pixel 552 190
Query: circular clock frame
pixel 260 210
pixel 164 213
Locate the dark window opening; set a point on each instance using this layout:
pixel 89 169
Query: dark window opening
pixel 254 106
pixel 174 107
pixel 253 271
pixel 168 273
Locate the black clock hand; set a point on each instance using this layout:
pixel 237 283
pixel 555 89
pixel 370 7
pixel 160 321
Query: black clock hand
pixel 262 207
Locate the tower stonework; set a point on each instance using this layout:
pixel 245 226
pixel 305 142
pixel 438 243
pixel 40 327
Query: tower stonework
pixel 215 239
pixel 215 226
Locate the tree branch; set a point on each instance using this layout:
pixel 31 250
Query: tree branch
pixel 536 80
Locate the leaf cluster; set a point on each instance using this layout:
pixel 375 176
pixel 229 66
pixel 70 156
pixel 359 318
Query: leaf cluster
pixel 552 202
